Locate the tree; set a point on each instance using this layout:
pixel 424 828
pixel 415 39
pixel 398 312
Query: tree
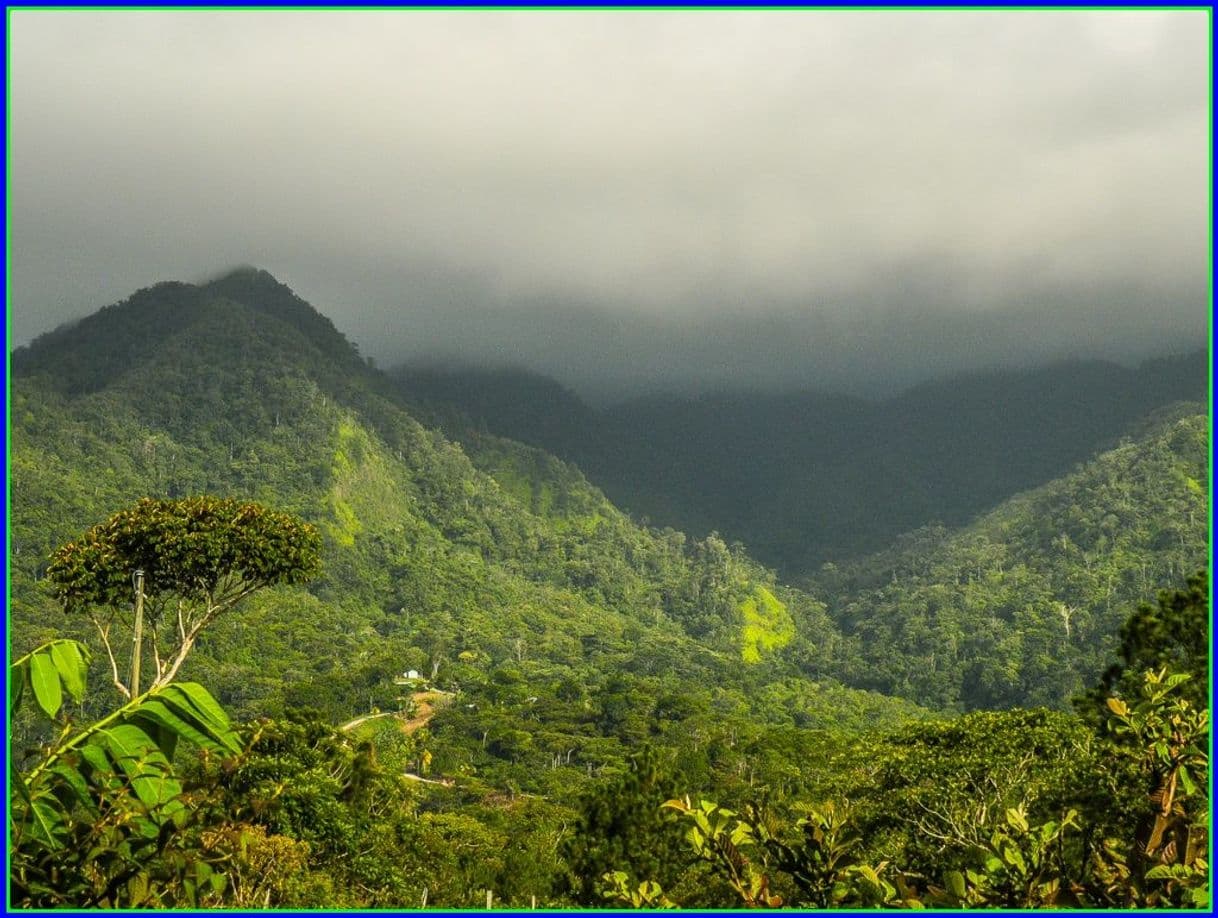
pixel 1167 736
pixel 101 819
pixel 622 828
pixel 1173 633
pixel 200 557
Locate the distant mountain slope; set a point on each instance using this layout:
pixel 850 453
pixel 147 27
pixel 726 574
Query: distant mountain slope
pixel 511 562
pixel 1023 606
pixel 510 402
pixel 806 477
pixel 498 564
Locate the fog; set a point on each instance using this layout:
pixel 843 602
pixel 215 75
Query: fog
pixel 633 200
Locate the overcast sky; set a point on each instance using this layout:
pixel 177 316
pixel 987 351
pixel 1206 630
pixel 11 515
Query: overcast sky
pixel 633 199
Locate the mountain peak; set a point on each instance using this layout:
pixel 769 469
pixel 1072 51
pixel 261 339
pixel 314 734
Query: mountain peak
pixel 260 290
pixel 86 355
pixel 248 276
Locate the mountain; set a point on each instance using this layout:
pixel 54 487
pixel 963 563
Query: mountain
pixel 489 562
pixel 1024 604
pixel 805 477
pixel 439 554
pixel 511 402
pixel 578 669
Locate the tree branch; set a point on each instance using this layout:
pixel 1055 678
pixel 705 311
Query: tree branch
pixel 183 649
pixel 156 651
pixel 105 637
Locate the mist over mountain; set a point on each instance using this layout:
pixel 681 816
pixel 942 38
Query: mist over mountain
pixel 804 477
pixel 605 200
pixel 609 355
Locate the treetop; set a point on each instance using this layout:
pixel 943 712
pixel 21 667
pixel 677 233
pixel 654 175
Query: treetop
pixel 191 547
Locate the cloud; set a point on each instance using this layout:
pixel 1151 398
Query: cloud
pixel 695 195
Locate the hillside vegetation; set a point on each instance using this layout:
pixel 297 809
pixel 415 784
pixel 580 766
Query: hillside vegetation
pixel 802 478
pixel 1023 606
pixel 432 561
pixel 573 670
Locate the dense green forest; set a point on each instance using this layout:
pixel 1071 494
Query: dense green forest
pixel 1023 606
pixel 808 477
pixel 571 671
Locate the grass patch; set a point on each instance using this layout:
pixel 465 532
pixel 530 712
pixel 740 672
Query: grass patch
pixel 767 625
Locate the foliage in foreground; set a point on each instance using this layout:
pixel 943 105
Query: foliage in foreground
pixel 1012 862
pixel 163 803
pixel 102 819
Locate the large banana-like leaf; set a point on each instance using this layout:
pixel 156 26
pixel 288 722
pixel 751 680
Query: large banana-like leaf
pixel 127 756
pixel 190 712
pixel 139 758
pixel 44 679
pixel 49 670
pixel 202 701
pixel 71 666
pixel 161 721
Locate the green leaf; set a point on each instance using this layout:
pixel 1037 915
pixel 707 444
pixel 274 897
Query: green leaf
pixel 955 883
pixel 201 699
pixel 1016 819
pixel 145 766
pixel 1186 779
pixel 137 890
pixel 1015 859
pixel 161 715
pixel 96 757
pixel 165 738
pixel 72 667
pixel 16 687
pixel 1160 872
pixel 1176 679
pixel 74 780
pixel 189 708
pixel 45 682
pixel 42 819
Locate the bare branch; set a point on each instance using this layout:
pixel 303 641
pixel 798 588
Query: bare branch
pixel 176 664
pixel 954 827
pixel 188 631
pixel 226 595
pixel 158 666
pixel 104 631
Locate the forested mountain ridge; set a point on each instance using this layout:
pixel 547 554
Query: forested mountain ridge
pixel 1022 606
pixel 493 548
pixel 806 477
pixel 240 388
pixel 581 669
